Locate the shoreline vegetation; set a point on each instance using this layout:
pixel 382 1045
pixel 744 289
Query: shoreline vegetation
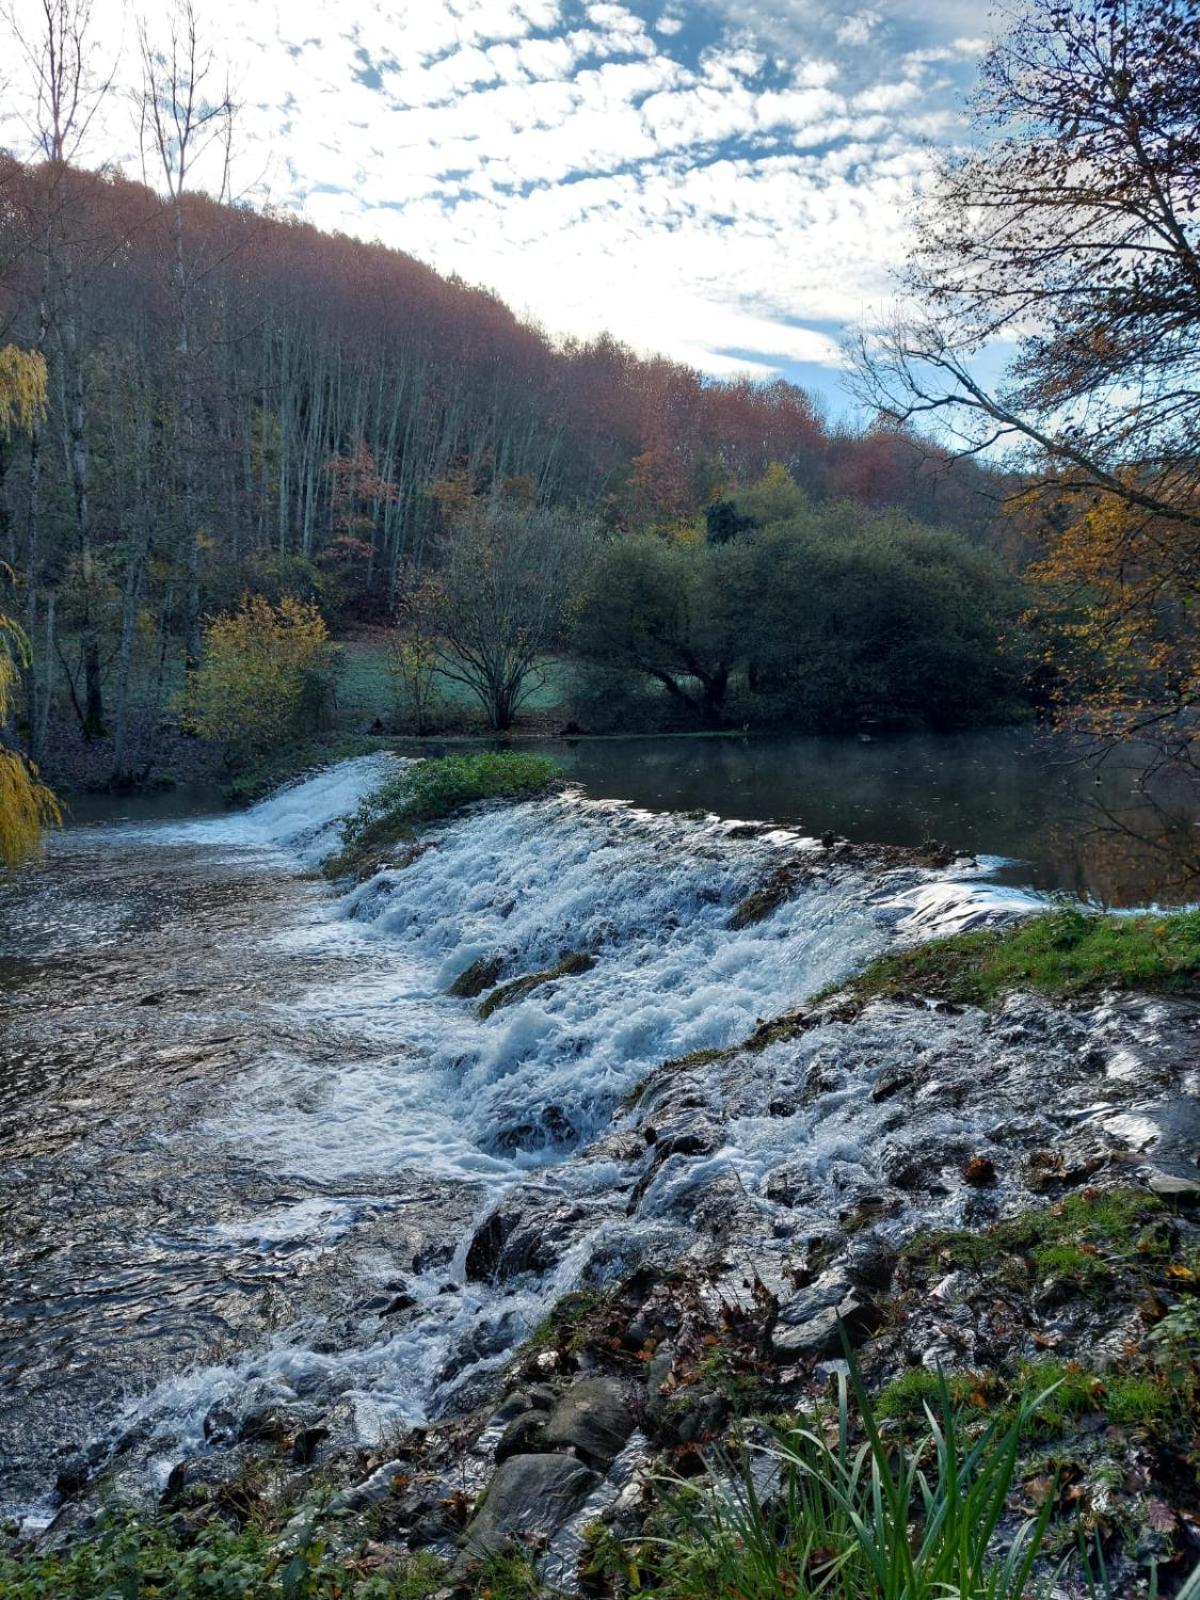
pixel 892 1482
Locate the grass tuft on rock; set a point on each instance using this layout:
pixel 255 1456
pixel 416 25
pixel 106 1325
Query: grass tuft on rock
pixel 429 790
pixel 1085 1237
pixel 1064 954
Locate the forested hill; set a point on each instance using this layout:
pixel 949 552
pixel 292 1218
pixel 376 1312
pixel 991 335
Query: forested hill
pixel 232 390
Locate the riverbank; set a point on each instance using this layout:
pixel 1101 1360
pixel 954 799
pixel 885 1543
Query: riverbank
pixel 1069 1287
pixel 1002 1193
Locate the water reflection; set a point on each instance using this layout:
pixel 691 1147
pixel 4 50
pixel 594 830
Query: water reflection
pixel 1109 830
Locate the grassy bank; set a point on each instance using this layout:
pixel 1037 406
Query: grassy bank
pixel 1065 954
pixel 430 790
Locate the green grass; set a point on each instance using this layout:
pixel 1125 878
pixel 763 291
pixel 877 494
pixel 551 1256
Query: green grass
pixel 124 1558
pixel 430 790
pixel 1063 954
pixel 1050 1394
pixel 876 1520
pixel 1087 1237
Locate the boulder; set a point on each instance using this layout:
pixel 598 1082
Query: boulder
pixel 524 1435
pixel 528 1497
pixel 521 1236
pixel 594 1418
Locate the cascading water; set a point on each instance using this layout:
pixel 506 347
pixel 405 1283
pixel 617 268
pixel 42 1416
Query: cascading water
pixel 289 1146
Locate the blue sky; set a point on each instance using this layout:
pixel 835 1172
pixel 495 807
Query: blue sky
pixel 726 181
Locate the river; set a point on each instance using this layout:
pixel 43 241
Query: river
pixel 247 1135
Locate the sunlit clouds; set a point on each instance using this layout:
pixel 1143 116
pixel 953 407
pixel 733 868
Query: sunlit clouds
pixel 726 181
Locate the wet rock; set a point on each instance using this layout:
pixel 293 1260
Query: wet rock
pixel 791 1186
pixel 304 1448
pixel 521 1236
pixel 550 1129
pixel 508 994
pixel 1173 1185
pixel 370 1492
pixel 826 1290
pixel 890 1082
pixel 264 1423
pixel 524 1436
pixel 481 975
pixel 73 1475
pixel 979 1172
pixel 530 1496
pixel 684 1136
pixel 658 1370
pixel 813 1324
pixel 870 1261
pixel 594 1418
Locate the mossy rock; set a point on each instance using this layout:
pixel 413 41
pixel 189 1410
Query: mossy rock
pixel 571 966
pixel 478 977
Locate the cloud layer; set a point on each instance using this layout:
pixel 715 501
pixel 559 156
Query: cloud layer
pixel 726 181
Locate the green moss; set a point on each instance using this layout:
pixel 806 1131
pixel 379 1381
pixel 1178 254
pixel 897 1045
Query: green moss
pixel 425 792
pixel 571 966
pixel 565 1327
pixel 152 1560
pixel 1063 954
pixel 906 1397
pixel 1087 1237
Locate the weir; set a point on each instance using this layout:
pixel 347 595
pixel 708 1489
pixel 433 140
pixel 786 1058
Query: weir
pixel 295 1147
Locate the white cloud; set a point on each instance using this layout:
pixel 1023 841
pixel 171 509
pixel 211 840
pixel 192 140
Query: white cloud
pixel 587 165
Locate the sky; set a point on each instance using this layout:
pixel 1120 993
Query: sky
pixel 728 182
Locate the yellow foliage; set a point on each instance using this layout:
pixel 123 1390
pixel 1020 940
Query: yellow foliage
pixel 22 389
pixel 263 675
pixel 26 805
pixel 1123 586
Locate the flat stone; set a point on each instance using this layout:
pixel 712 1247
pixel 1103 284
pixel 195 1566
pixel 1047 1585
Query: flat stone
pixel 594 1418
pixel 528 1497
pixel 831 1287
pixel 1172 1185
pixel 821 1335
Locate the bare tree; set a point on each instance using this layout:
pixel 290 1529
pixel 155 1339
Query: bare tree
pixel 183 123
pixel 66 90
pixel 1071 230
pixel 503 594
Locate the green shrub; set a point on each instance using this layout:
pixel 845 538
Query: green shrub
pixel 429 790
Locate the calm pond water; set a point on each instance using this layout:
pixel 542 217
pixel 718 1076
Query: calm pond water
pixel 1097 830
pixel 1063 820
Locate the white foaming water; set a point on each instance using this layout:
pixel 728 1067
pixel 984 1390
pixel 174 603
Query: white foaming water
pixel 419 1085
pixel 647 897
pixel 303 820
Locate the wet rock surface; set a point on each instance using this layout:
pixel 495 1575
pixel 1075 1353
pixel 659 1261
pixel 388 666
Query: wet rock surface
pixel 708 1233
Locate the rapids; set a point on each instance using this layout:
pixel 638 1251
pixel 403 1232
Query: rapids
pixel 248 1136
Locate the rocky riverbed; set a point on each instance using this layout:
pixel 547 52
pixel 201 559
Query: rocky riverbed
pixel 483 1271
